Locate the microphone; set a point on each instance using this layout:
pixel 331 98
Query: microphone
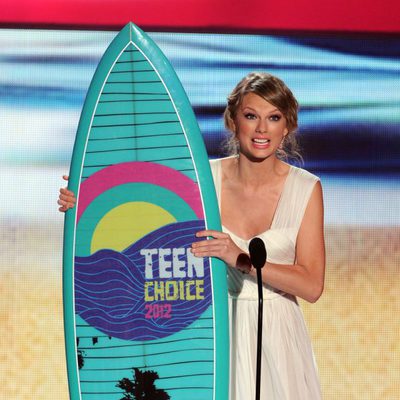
pixel 258 256
pixel 258 253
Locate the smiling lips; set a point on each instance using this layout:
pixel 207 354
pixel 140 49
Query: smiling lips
pixel 261 142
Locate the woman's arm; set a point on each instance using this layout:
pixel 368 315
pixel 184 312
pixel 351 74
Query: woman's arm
pixel 305 278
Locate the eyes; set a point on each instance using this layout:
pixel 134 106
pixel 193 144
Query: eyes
pixel 249 116
pixel 273 117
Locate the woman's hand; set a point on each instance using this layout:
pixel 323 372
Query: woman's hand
pixel 66 198
pixel 220 245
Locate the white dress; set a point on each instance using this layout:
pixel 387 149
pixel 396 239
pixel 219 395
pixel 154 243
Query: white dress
pixel 288 369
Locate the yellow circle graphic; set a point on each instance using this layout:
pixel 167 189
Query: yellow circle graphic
pixel 127 223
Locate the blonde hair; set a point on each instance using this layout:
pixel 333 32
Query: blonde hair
pixel 275 91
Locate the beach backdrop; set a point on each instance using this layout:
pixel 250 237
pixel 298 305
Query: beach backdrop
pixel 348 87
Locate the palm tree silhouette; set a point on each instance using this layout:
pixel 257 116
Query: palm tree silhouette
pixel 142 387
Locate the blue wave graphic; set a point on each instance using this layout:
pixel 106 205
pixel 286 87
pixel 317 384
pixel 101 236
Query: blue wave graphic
pixel 109 286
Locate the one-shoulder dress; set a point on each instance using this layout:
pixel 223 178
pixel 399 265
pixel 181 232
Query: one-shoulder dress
pixel 288 370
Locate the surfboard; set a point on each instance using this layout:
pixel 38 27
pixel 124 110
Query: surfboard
pixel 143 317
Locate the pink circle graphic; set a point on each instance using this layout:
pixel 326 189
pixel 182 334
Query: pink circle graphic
pixel 141 172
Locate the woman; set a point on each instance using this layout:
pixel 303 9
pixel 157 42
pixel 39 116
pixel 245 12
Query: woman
pixel 261 195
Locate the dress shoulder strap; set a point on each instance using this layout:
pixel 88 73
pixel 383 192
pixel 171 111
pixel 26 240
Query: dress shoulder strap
pixel 295 198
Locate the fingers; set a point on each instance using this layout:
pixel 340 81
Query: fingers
pixel 62 209
pixel 218 246
pixel 211 250
pixel 212 233
pixel 67 193
pixel 65 201
pixel 220 241
pixel 65 205
pixel 66 198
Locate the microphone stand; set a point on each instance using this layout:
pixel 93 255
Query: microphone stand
pixel 258 257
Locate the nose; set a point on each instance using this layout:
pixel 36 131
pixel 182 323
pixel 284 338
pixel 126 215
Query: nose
pixel 262 126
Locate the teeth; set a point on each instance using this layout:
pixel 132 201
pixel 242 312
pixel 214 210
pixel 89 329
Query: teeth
pixel 261 141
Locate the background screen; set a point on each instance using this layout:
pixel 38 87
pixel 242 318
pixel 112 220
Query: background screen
pixel 348 87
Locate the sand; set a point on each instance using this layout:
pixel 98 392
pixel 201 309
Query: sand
pixel 354 326
pixel 32 358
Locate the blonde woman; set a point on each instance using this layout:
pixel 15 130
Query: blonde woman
pixel 261 195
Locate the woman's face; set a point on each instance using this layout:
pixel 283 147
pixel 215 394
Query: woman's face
pixel 259 127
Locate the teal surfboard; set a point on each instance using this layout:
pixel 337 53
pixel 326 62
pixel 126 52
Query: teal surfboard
pixel 144 318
